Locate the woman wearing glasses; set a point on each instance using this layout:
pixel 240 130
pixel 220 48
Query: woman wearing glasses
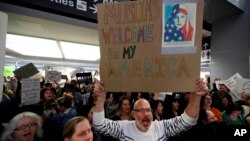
pixel 26 126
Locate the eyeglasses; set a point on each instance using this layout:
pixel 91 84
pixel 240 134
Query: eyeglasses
pixel 23 127
pixel 141 110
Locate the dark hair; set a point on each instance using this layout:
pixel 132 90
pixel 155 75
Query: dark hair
pixel 70 87
pixel 42 92
pixel 203 98
pixel 224 86
pixel 65 101
pixel 48 84
pixel 234 106
pixel 167 107
pixel 202 116
pixel 84 110
pixel 155 103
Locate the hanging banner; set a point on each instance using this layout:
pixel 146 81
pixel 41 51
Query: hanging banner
pixel 3 32
pixel 131 44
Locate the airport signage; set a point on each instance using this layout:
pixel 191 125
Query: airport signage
pixel 81 9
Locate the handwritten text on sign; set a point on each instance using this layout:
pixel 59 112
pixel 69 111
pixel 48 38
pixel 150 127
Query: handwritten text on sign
pixel 130 43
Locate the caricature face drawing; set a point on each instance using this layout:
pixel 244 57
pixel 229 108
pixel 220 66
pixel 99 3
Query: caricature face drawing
pixel 178 26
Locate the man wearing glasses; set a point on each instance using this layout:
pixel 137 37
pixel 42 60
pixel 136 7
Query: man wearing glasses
pixel 143 127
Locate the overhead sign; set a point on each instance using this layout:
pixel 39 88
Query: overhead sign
pixel 131 38
pixel 86 9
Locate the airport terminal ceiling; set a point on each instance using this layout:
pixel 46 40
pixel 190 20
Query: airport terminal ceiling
pixel 30 22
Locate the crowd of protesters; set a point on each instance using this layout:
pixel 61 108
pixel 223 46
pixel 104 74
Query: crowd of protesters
pixel 62 108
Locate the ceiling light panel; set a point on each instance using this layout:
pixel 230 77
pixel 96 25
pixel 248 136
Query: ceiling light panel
pixel 32 46
pixel 77 51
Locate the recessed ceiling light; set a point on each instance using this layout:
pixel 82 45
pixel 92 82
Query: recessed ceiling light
pixel 80 51
pixel 32 46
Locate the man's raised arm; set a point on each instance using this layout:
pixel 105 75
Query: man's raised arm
pixel 193 106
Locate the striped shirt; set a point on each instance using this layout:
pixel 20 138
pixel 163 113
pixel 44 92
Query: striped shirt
pixel 127 130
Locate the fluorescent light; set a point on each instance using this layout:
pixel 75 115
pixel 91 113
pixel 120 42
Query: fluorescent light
pixel 32 46
pixel 80 51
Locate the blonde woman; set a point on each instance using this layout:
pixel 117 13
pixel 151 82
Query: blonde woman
pixel 77 129
pixel 124 110
pixel 26 126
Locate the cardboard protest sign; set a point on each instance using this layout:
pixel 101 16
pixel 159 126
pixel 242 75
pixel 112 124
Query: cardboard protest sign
pixel 131 46
pixel 64 77
pixel 26 71
pixel 242 85
pixel 231 82
pixel 53 75
pixel 30 91
pixel 85 78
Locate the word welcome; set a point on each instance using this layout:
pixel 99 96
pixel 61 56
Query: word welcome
pixel 128 34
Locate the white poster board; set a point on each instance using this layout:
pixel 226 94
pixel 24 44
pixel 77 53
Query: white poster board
pixel 3 31
pixel 53 75
pixel 242 86
pixel 230 82
pixel 30 93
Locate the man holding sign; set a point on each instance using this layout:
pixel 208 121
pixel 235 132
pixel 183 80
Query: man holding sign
pixel 131 60
pixel 143 128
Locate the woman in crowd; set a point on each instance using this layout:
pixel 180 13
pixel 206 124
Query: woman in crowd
pixel 171 110
pixel 26 126
pixel 157 107
pixel 112 105
pixel 51 131
pixel 233 115
pixel 87 111
pixel 77 129
pixel 207 128
pixel 206 103
pixel 124 110
pixel 47 100
pixel 171 107
pixel 224 103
